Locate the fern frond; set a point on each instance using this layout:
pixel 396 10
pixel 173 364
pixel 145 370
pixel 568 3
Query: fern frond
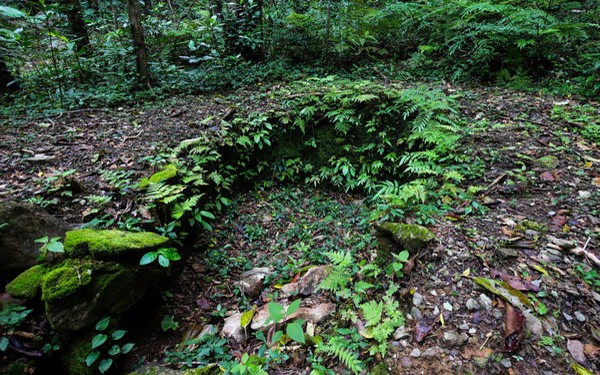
pixel 336 348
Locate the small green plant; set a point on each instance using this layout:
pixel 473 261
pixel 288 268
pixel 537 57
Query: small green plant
pixel 168 323
pixel 250 364
pixel 293 330
pixel 10 318
pixel 200 351
pixel 52 245
pixel 589 275
pixel 164 256
pixel 395 268
pixel 105 347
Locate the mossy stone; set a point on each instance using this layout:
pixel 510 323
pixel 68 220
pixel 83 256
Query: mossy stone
pixel 409 237
pixel 73 359
pixel 168 172
pixel 548 162
pixel 110 244
pixel 28 283
pixel 380 369
pixel 66 279
pixel 153 369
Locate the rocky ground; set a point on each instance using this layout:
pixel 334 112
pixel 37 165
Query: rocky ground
pixel 535 225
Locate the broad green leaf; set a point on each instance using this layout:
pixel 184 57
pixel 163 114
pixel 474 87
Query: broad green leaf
pixel 275 312
pixel 170 253
pixel 10 12
pixel 163 261
pixel 98 340
pixel 118 335
pixel 114 350
pixel 293 307
pixel 579 369
pixel 403 256
pixel 105 365
pixel 246 318
pixel 92 357
pixel 56 247
pixel 168 323
pixel 3 343
pixel 103 324
pixel 295 332
pixel 127 347
pixel 277 336
pixel 148 258
pixel 207 214
pixel 41 240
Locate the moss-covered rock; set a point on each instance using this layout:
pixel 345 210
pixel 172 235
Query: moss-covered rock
pixel 28 283
pixel 152 369
pixel 168 172
pixel 548 162
pixel 72 360
pixel 66 279
pixel 111 289
pixel 409 237
pixel 110 244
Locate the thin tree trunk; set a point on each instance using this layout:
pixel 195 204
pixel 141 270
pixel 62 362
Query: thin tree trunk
pixel 6 78
pixel 77 24
pixel 141 55
pixel 113 9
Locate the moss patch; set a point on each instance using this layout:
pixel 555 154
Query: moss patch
pixel 66 280
pixel 410 237
pixel 168 172
pixel 548 162
pixel 28 283
pixel 110 243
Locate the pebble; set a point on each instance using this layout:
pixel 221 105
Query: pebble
pixel 453 339
pixel 434 351
pixel 580 317
pixel 416 313
pixel 506 363
pixel 567 316
pixel 473 331
pixel 433 293
pixel 417 299
pixel 485 301
pixel 406 362
pixel 401 333
pixel 436 310
pixel 533 325
pixel 448 306
pixel 463 327
pixel 472 305
pixel 415 353
pixel 496 313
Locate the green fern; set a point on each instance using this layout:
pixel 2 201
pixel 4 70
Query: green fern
pixel 336 348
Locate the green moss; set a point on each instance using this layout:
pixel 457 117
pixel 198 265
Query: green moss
pixel 530 224
pixel 18 368
pixel 410 237
pixel 548 162
pixel 110 243
pixel 28 283
pixel 168 172
pixel 66 280
pixel 380 369
pixel 73 359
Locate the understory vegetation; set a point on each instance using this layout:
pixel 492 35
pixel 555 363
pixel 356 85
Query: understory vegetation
pixel 55 56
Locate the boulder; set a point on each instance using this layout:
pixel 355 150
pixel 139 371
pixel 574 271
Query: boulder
pixel 111 244
pixel 20 225
pixel 308 284
pixel 395 237
pixel 251 281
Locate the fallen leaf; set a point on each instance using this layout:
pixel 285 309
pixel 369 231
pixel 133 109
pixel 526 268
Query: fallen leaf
pixel 557 222
pixel 514 331
pixel 548 176
pixel 505 291
pixel 516 282
pixel 592 351
pixel 596 181
pixel 580 369
pixel 425 326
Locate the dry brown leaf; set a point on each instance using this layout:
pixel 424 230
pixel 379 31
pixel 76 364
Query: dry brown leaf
pixel 515 328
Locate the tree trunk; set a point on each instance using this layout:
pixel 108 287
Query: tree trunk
pixel 6 77
pixel 75 17
pixel 141 55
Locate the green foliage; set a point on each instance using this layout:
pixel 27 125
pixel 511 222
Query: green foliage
pixel 589 275
pixel 11 317
pixel 168 323
pixel 164 256
pixel 105 346
pixel 200 351
pixel 52 245
pixel 337 348
pixel 293 330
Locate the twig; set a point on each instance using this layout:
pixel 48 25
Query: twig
pixel 589 255
pixel 495 182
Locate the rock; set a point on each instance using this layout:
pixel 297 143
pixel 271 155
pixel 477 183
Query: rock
pixel 433 352
pixel 533 325
pixel 415 353
pixel 416 313
pixel 568 317
pixel 448 306
pixel 409 237
pixel 308 283
pixel 472 305
pixel 497 314
pixel 314 314
pixel 506 363
pixel 401 333
pixel 463 327
pixel 486 302
pixel 548 162
pixel 580 317
pixel 232 328
pixel 22 224
pixel 406 362
pixel 472 331
pixel 111 244
pixel 453 339
pixel 417 299
pixel 79 292
pixel 575 347
pixel 40 158
pixel 251 282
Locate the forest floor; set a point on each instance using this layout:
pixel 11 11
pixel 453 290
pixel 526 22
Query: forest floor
pixel 540 231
